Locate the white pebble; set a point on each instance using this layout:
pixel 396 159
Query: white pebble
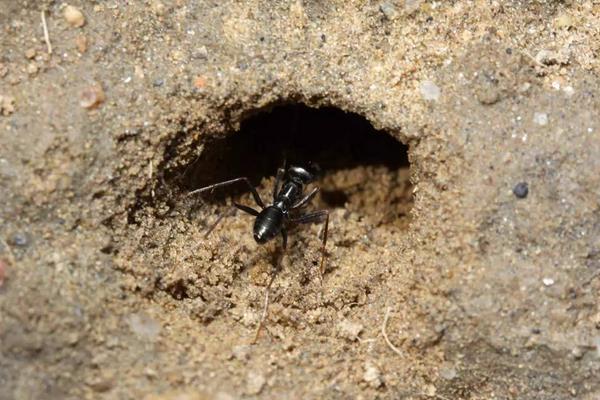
pixel 412 5
pixel 241 352
pixel 255 383
pixel 447 371
pixel 540 118
pixel 429 90
pixel 144 325
pixel 569 91
pixel 547 57
pixel 349 330
pixel 74 17
pixel 388 9
pixel 548 281
pixel 372 375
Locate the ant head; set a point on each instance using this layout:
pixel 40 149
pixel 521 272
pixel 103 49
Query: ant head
pixel 304 175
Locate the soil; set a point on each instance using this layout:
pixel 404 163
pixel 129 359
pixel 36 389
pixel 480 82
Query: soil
pixel 458 146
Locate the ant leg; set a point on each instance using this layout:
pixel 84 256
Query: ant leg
pixel 284 238
pixel 278 178
pixel 219 219
pixel 317 216
pixel 268 289
pixel 231 182
pixel 246 209
pixel 303 201
pixel 242 207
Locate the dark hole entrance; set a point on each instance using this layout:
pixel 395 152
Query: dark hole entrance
pixel 361 168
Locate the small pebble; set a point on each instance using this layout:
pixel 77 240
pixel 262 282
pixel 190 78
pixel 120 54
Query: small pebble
pixel 199 82
pixel 540 118
pixel 255 383
pixel 30 53
pixel 73 338
pixel 144 325
pixel 388 10
pixel 548 57
pixel 241 352
pixel 548 281
pixel 349 330
pixel 372 375
pixel 201 53
pixel 564 21
pixel 81 43
pixel 7 105
pixel 429 90
pixel 524 88
pixel 430 390
pixel 577 353
pixel 412 5
pixel 74 17
pixel 447 371
pixel 158 8
pixel 158 82
pixel 20 239
pixel 521 190
pixel 92 97
pixel 32 69
pixel 569 91
pixel 102 382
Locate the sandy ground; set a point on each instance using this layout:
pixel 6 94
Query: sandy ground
pixel 444 278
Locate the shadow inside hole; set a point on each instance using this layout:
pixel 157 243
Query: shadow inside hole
pixel 331 138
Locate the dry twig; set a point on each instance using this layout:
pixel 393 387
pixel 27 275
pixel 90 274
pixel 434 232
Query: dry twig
pixel 265 310
pixel 46 35
pixel 385 336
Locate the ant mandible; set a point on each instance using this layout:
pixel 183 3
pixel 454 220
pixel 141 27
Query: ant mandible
pixel 275 219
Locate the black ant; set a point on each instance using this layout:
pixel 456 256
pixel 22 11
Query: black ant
pixel 275 219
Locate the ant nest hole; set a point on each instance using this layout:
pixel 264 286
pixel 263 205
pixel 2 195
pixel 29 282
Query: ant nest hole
pixel 364 172
pixel 364 182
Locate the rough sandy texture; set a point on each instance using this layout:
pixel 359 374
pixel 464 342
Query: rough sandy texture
pixel 109 290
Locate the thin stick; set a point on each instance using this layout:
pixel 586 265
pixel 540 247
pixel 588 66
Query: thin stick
pixel 265 310
pixel 385 336
pixel 46 35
